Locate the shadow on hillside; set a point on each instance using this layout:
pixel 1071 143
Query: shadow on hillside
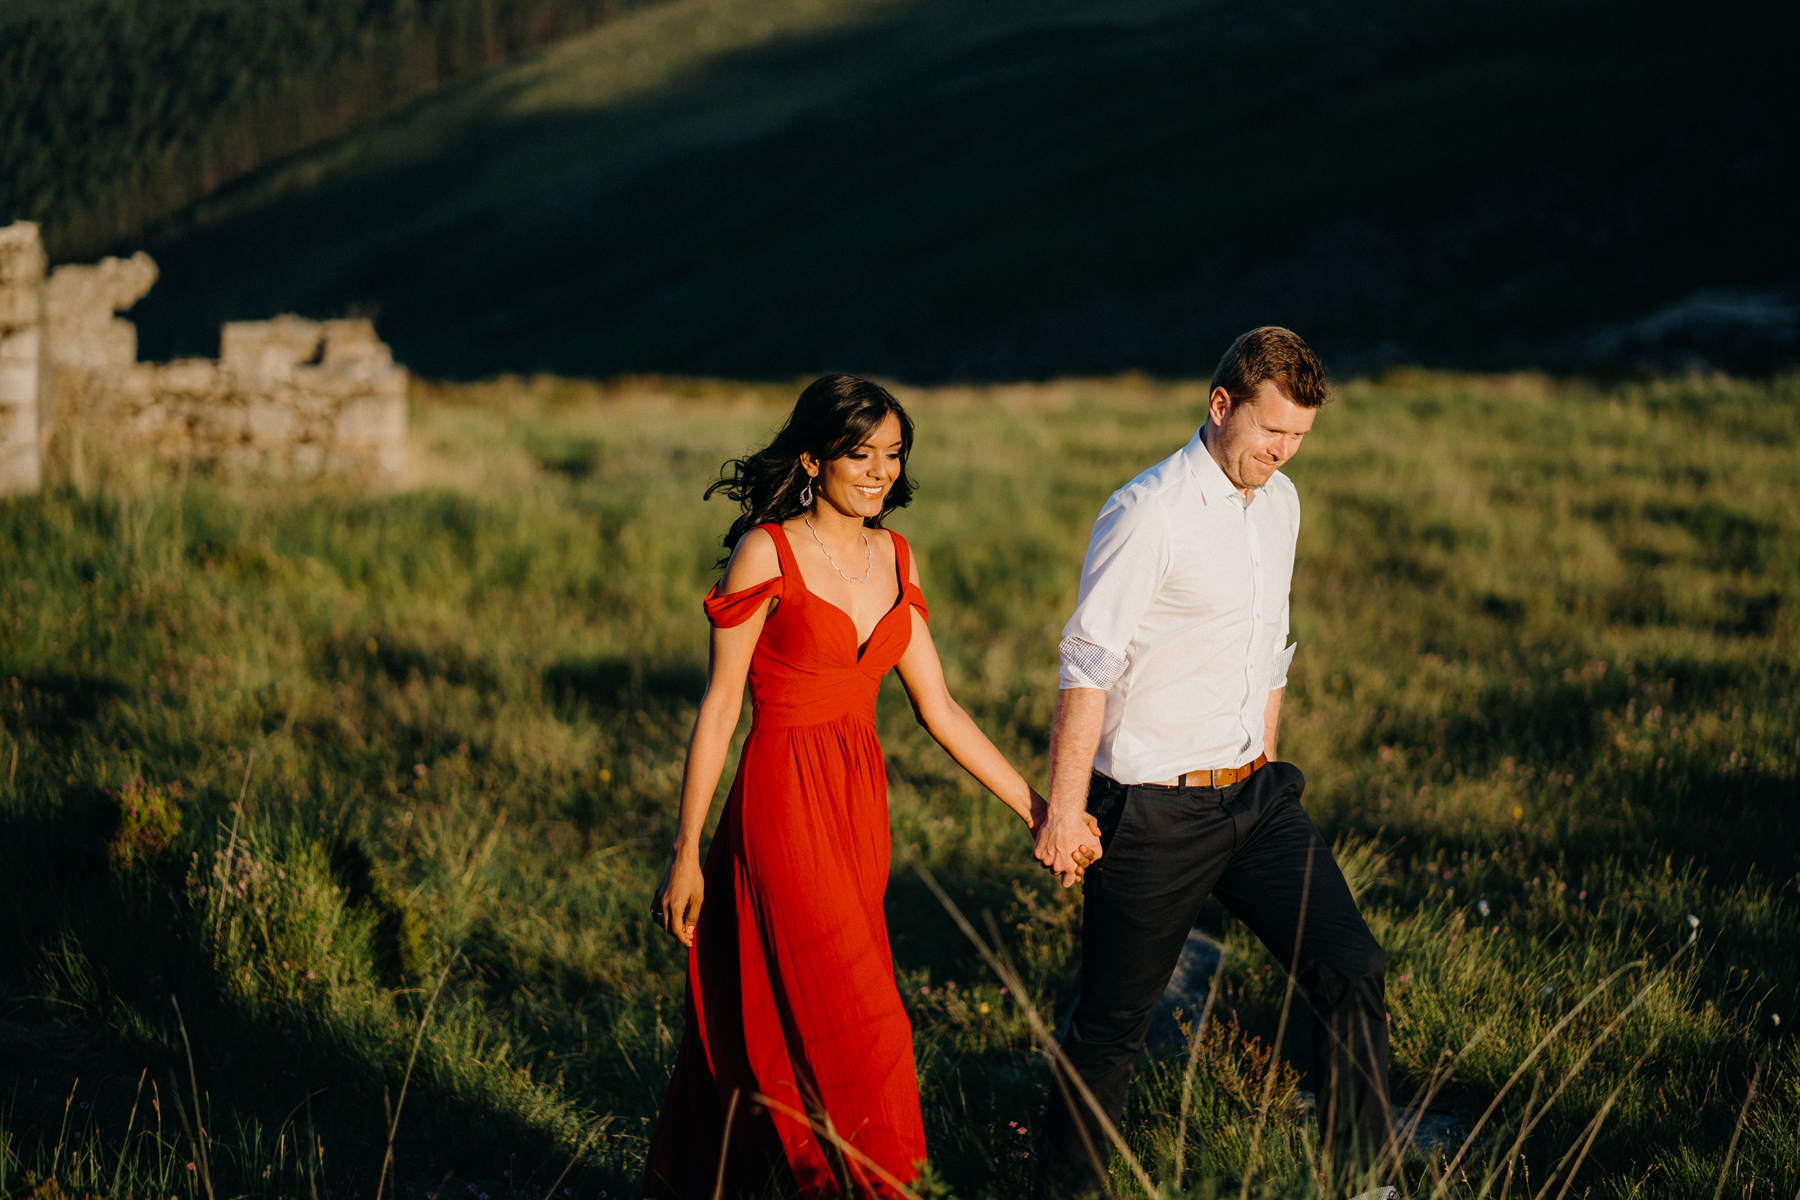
pixel 55 704
pixel 942 191
pixel 610 683
pixel 1729 817
pixel 400 659
pixel 924 935
pixel 114 947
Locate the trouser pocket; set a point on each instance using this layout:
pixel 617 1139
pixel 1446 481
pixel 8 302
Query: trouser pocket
pixel 1106 804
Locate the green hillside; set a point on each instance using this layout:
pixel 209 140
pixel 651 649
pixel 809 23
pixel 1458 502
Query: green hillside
pixel 939 189
pixel 116 113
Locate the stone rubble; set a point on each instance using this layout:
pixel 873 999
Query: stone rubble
pixel 288 397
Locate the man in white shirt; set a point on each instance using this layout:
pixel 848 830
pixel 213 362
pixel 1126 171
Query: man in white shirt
pixel 1172 673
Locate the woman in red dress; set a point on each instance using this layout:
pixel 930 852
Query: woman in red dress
pixel 791 990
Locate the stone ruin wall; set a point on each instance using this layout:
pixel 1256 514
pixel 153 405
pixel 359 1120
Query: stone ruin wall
pixel 288 396
pixel 22 265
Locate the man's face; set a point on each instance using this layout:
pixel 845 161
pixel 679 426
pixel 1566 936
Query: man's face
pixel 1251 441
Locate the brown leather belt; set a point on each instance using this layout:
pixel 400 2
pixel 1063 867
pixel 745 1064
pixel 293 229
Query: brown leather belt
pixel 1215 779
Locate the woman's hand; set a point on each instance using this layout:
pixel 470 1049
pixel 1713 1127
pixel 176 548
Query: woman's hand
pixel 679 896
pixel 1084 855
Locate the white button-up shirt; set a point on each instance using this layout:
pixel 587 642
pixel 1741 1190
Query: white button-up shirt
pixel 1182 617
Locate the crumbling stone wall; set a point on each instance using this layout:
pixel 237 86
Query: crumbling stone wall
pixel 22 265
pixel 80 303
pixel 286 396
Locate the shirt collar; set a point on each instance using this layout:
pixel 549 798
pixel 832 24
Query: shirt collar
pixel 1214 486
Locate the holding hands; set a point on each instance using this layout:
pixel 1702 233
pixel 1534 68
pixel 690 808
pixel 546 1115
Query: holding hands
pixel 1067 835
pixel 1067 842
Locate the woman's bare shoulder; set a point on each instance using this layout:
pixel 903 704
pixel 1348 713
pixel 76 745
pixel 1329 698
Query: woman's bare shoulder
pixel 888 540
pixel 753 561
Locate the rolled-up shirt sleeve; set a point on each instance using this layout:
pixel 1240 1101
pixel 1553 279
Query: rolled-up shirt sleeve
pixel 1278 669
pixel 1127 556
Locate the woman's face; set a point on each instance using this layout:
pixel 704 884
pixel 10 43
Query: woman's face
pixel 857 483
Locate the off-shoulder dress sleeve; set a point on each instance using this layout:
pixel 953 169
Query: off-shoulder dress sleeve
pixel 909 591
pixel 727 612
pixel 911 594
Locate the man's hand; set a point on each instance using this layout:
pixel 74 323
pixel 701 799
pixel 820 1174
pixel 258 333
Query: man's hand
pixel 1067 843
pixel 1067 836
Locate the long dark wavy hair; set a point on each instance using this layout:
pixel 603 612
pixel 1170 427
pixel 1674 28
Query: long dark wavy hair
pixel 832 417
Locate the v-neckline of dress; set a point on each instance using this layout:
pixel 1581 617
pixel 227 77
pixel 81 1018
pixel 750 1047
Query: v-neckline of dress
pixel 899 600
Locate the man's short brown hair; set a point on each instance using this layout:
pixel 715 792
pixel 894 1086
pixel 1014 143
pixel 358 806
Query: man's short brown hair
pixel 1270 352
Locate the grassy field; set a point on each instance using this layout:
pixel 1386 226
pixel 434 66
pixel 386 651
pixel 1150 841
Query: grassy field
pixel 1544 702
pixel 117 113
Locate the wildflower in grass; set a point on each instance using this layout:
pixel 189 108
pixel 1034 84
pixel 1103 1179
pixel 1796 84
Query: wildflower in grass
pixel 1481 906
pixel 142 822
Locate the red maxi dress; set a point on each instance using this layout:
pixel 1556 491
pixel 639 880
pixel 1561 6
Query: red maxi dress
pixel 790 982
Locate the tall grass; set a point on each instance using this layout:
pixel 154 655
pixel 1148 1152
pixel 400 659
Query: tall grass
pixel 1543 701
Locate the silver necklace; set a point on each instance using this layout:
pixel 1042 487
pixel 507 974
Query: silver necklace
pixel 868 567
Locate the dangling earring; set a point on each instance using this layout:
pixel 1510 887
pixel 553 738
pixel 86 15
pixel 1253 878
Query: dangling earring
pixel 806 494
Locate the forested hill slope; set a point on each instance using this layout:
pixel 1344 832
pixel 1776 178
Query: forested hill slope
pixel 114 113
pixel 941 189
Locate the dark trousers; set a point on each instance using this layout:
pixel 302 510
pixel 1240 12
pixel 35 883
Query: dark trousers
pixel 1166 850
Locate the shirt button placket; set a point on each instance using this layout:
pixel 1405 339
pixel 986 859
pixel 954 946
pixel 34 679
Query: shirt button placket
pixel 1256 593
